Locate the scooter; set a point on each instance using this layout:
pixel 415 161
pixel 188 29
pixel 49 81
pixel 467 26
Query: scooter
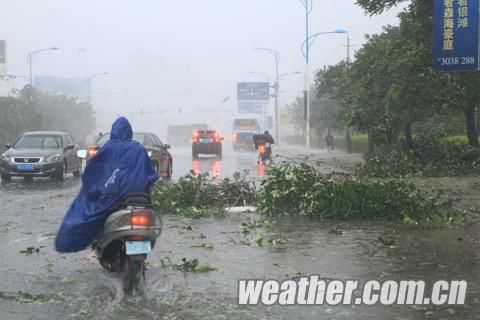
pixel 130 233
pixel 264 153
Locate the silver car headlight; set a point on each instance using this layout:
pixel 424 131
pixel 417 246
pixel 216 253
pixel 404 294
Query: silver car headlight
pixel 53 158
pixel 4 157
pixel 150 153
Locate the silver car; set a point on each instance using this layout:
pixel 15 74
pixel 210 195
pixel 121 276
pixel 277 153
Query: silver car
pixel 40 154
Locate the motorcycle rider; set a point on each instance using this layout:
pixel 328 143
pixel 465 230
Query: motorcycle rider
pixel 121 166
pixel 264 139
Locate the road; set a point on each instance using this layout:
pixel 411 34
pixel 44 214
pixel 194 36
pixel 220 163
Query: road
pixel 38 283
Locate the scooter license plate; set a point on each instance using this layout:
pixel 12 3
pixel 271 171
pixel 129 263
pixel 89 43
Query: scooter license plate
pixel 137 247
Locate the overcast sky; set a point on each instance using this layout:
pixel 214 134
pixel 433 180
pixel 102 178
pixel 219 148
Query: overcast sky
pixel 162 55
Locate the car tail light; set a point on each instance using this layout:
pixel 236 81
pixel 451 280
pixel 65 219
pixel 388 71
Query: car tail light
pixel 195 137
pixel 92 152
pixel 234 138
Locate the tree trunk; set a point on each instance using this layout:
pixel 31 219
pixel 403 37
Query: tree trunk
pixel 470 122
pixel 408 136
pixel 371 146
pixel 348 138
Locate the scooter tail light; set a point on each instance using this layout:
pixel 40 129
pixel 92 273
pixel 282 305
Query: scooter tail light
pixel 137 218
pixel 140 220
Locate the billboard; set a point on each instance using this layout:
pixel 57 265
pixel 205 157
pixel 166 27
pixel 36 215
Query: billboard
pixel 72 87
pixel 455 35
pixel 3 57
pixel 248 91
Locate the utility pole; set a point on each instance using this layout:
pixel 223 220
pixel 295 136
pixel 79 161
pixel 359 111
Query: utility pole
pixel 276 86
pixel 277 89
pixel 306 94
pixel 348 135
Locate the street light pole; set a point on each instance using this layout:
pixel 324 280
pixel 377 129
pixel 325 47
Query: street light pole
pixel 277 92
pixel 348 134
pixel 276 86
pixel 306 45
pixel 308 4
pixel 266 76
pixel 265 113
pixel 89 84
pixel 29 58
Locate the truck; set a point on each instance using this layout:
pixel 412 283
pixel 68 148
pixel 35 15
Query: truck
pixel 179 134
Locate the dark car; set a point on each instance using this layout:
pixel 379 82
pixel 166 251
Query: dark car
pixel 206 142
pixel 40 154
pixel 157 151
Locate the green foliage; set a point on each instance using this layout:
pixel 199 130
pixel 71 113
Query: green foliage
pixel 283 186
pixel 451 156
pixel 359 143
pixel 378 6
pixel 199 195
pixel 326 111
pixel 456 140
pixel 45 112
pixel 193 266
pixel 296 189
pixel 390 89
pixel 16 117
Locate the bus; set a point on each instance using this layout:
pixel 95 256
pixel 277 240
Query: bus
pixel 243 131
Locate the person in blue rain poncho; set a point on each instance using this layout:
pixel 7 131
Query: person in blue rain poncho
pixel 121 166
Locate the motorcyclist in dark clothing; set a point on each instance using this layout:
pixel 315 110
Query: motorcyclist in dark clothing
pixel 264 139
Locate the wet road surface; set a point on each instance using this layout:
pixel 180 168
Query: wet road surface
pixel 38 283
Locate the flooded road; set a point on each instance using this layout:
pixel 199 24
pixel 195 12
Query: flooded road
pixel 38 283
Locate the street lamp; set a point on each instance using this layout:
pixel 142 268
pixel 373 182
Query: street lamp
pixel 89 84
pixel 276 96
pixel 276 55
pixel 261 74
pixel 309 40
pixel 29 59
pixel 288 74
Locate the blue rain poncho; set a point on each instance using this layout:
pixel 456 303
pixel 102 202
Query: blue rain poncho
pixel 121 166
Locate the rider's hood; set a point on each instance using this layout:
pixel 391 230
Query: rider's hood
pixel 121 130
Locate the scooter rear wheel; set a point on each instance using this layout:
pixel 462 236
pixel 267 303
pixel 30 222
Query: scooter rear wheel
pixel 133 275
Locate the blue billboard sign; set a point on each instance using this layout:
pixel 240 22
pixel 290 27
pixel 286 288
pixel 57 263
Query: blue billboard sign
pixel 455 35
pixel 253 91
pixel 251 106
